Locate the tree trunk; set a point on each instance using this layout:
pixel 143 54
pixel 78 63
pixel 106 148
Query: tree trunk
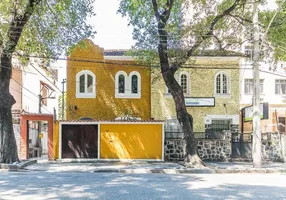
pixel 8 147
pixel 186 120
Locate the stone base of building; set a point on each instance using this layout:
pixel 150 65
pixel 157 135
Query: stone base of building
pixel 273 148
pixel 208 149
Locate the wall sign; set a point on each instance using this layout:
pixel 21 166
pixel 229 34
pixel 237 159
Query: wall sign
pixel 200 101
pixel 248 112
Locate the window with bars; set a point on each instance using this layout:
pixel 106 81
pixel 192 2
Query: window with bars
pixel 249 85
pixel 280 86
pixel 184 83
pixel 218 126
pixel 221 84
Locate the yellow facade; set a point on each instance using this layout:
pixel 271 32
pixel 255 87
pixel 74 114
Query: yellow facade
pixel 201 84
pixel 131 141
pixel 56 140
pixel 105 106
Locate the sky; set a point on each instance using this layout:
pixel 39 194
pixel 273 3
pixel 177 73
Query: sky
pixel 112 29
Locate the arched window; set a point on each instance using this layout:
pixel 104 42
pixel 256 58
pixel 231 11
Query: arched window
pixel 121 84
pixel 85 84
pixel 135 84
pixel 221 83
pixel 184 82
pixel 127 86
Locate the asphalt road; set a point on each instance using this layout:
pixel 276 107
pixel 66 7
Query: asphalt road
pixel 88 185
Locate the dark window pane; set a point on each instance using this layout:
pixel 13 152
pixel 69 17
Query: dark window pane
pixel 121 84
pixel 184 84
pixel 82 84
pixel 134 84
pixel 89 84
pixel 218 89
pixel 224 79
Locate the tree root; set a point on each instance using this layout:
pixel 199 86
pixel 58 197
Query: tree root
pixel 194 161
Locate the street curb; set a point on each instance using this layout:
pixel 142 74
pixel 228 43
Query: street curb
pixel 16 167
pixel 27 163
pixel 249 171
pixel 190 171
pixel 156 171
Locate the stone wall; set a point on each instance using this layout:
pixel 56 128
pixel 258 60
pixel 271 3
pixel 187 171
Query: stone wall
pixel 208 149
pixel 273 147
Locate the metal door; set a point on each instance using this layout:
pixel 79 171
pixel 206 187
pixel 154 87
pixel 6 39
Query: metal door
pixel 79 141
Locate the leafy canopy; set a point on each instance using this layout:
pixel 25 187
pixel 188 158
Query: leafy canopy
pixel 189 22
pixel 53 26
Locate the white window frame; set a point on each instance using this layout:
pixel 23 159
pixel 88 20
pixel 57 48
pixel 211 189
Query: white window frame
pixel 280 93
pixel 135 95
pixel 85 95
pixel 178 79
pixel 261 82
pixel 128 85
pixel 228 85
pixel 188 81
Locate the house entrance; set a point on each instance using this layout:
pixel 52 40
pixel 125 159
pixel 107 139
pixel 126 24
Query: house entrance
pixel 36 140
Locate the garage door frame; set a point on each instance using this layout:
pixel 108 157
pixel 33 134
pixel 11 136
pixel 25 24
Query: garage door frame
pixel 99 133
pixel 78 123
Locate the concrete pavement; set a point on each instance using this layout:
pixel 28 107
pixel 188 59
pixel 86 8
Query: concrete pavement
pixel 44 185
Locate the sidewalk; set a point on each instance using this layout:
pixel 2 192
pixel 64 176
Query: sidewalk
pixel 154 167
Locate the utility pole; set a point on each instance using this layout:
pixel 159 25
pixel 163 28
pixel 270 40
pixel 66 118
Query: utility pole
pixel 63 99
pixel 256 142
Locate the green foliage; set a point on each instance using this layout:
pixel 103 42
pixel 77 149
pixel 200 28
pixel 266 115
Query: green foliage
pixel 189 22
pixel 277 30
pixel 53 27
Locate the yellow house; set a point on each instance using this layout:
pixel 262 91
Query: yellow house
pixel 211 88
pixel 103 88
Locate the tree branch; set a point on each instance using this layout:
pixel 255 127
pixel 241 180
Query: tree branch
pixel 17 25
pixel 211 28
pixel 167 10
pixel 239 19
pixel 155 8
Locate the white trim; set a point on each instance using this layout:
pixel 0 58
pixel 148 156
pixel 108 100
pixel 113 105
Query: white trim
pixel 105 159
pixel 117 94
pixel 138 94
pixel 98 142
pixel 221 82
pixel 113 122
pixel 163 142
pixel 188 81
pixel 127 85
pixel 60 140
pixel 178 79
pixel 85 94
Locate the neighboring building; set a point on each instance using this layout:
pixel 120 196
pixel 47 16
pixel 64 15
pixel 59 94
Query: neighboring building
pixel 273 92
pixel 218 79
pixel 105 87
pixel 28 81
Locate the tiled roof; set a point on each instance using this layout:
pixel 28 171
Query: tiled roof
pixel 37 114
